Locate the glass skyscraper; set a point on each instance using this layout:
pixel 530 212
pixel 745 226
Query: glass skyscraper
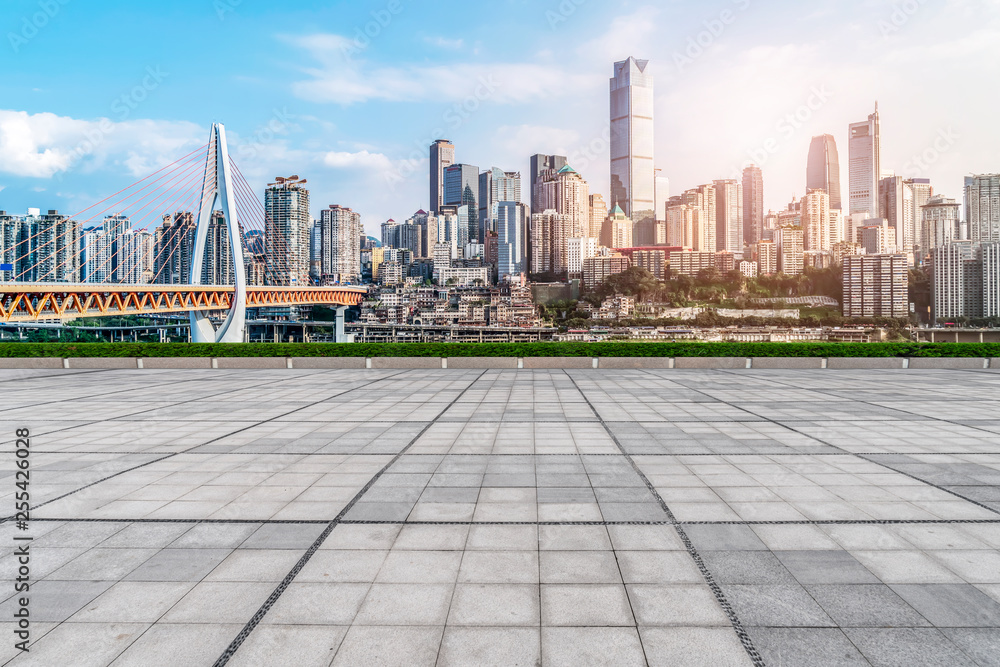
pixel 632 169
pixel 461 188
pixel 823 168
pixel 865 155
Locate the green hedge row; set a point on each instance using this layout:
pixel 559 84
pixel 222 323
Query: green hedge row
pixel 63 350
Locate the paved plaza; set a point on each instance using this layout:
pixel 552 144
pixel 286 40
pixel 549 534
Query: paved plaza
pixel 521 517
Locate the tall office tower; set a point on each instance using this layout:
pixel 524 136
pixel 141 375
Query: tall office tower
pixel 632 170
pixel 895 197
pixel 922 193
pixel 495 186
pixel 539 165
pixel 865 166
pixel 753 204
pixel 982 207
pixel 429 232
pixel 618 230
pixel 58 241
pixel 816 220
pixel 340 231
pixel 286 238
pixel 791 256
pixel 823 168
pixel 442 156
pixel 940 221
pixel 598 214
pixel 662 195
pixel 729 216
pixel 217 267
pixel 549 233
pixel 173 250
pixel 512 241
pixel 703 198
pixel 957 281
pixel 876 286
pixel 461 188
pixel 568 194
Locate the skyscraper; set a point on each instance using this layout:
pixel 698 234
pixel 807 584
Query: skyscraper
pixel 442 156
pixel 598 214
pixel 340 244
pixel 753 204
pixel 816 221
pixel 286 237
pixel 632 171
pixel 568 194
pixel 895 205
pixel 982 207
pixel 539 165
pixel 823 168
pixel 940 222
pixel 461 188
pixel 865 155
pixel 729 216
pixel 512 227
pixel 495 186
pixel 702 199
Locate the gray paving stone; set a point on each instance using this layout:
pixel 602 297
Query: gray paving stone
pixel 980 644
pixel 816 647
pixel 865 606
pixel 825 567
pixel 775 605
pixel 905 647
pixel 724 538
pixel 952 605
pixel 497 647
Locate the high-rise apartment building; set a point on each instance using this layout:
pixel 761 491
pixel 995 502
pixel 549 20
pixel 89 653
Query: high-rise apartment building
pixel 876 286
pixel 549 234
pixel 340 244
pixel 568 194
pixel 896 206
pixel 442 156
pixel 429 232
pixel 539 165
pixel 495 186
pixel 815 220
pixel 982 207
pixel 217 267
pixel 823 168
pixel 957 282
pixel 173 250
pixel 512 242
pixel 729 216
pixel 922 193
pixel 461 188
pixel 632 170
pixel 286 237
pixel 578 250
pixel 598 214
pixel 617 231
pixel 703 198
pixel 58 241
pixel 865 166
pixel 753 204
pixel 940 221
pixel 791 259
pixel 877 237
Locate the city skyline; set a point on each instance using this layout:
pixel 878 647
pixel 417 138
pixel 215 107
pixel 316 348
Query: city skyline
pixel 361 150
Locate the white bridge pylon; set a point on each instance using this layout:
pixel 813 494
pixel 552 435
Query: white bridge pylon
pixel 217 187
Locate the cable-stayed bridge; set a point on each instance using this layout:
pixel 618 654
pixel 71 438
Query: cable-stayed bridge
pixel 203 202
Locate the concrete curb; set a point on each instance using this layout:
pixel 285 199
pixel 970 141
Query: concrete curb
pixel 101 362
pixel 559 363
pixel 502 363
pixel 482 362
pixel 318 363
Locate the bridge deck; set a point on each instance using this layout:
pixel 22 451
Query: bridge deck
pixel 26 302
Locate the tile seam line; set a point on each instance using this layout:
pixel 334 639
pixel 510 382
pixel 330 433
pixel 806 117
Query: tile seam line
pixel 258 616
pixel 745 640
pixel 168 456
pixel 380 522
pixel 865 457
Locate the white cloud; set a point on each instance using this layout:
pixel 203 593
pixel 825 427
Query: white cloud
pixel 344 79
pixel 359 160
pixel 445 43
pixel 44 144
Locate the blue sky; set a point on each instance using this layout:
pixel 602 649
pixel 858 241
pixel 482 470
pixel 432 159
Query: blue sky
pixel 300 93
